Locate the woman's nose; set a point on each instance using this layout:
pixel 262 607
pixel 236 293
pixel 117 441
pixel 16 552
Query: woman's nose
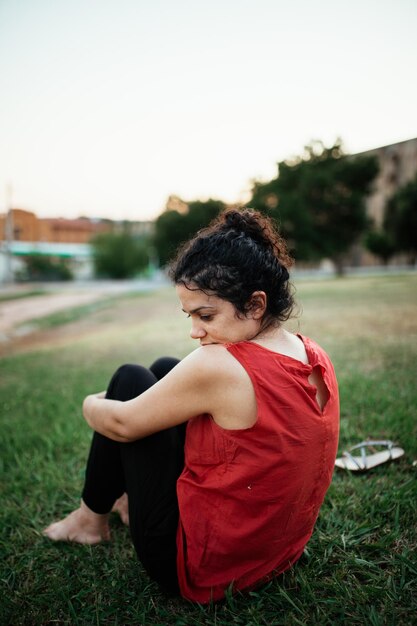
pixel 197 332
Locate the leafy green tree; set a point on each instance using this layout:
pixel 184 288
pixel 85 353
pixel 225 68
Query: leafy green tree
pixel 401 219
pixel 46 267
pixel 318 200
pixel 381 244
pixel 173 228
pixel 170 231
pixel 119 255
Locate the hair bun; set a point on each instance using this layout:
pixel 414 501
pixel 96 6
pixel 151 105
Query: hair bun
pixel 235 219
pixel 258 228
pixel 248 222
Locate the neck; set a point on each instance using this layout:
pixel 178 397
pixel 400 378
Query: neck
pixel 267 330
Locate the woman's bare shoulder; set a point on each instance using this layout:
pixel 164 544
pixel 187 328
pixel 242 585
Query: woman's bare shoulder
pixel 227 386
pixel 214 360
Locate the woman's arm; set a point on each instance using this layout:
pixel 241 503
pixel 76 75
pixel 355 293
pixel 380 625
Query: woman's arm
pixel 189 389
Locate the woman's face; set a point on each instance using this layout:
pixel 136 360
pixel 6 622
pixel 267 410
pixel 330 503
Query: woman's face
pixel 214 320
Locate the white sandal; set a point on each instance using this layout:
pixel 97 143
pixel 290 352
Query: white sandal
pixel 366 461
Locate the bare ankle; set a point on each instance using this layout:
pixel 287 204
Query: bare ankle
pixel 121 506
pixel 80 526
pixel 93 517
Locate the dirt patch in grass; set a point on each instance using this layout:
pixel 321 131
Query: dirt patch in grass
pixel 120 314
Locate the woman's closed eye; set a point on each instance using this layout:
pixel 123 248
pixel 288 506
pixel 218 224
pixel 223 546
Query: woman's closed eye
pixel 204 318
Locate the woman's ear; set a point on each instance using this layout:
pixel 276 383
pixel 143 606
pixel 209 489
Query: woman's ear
pixel 256 306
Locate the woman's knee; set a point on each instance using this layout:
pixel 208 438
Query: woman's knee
pixel 130 380
pixel 163 365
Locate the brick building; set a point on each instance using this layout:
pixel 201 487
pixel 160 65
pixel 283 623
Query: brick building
pixel 22 233
pixel 26 226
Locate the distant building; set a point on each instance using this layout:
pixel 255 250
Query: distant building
pixel 26 226
pixel 135 228
pixel 397 166
pixel 22 233
pixel 174 203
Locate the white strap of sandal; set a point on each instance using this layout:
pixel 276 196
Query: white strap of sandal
pixel 347 455
pixel 362 447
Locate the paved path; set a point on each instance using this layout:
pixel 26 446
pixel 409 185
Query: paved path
pixel 58 297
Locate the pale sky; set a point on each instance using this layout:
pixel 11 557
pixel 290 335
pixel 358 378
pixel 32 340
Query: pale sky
pixel 109 106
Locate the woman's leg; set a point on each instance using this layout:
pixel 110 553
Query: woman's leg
pixel 159 368
pixel 148 470
pixel 163 365
pixel 104 477
pixel 151 467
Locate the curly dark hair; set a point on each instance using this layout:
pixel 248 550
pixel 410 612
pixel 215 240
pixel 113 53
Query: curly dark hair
pixel 238 253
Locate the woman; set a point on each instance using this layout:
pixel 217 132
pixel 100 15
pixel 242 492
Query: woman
pixel 261 411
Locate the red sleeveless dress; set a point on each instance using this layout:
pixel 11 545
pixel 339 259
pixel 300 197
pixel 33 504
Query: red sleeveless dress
pixel 249 498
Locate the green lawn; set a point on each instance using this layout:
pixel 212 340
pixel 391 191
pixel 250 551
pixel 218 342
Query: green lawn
pixel 360 566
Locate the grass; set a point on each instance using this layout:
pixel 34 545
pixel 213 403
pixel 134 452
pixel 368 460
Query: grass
pixel 76 313
pixel 360 565
pixel 18 295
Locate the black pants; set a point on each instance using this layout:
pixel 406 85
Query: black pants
pixel 147 469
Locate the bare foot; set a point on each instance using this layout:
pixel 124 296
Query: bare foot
pixel 80 526
pixel 121 506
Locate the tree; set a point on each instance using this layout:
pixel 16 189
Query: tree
pixel 170 231
pixel 46 267
pixel 119 255
pixel 381 244
pixel 173 228
pixel 401 219
pixel 318 200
